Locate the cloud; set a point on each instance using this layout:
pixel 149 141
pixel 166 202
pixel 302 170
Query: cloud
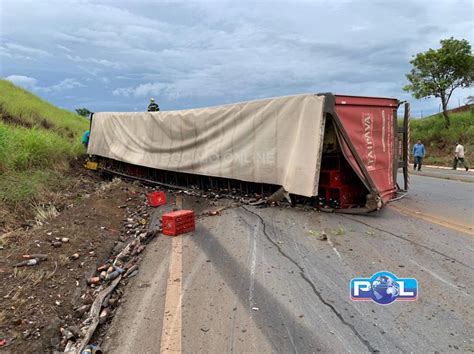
pixel 66 49
pixel 25 50
pixel 31 83
pixel 23 81
pixel 143 90
pixel 102 62
pixel 66 84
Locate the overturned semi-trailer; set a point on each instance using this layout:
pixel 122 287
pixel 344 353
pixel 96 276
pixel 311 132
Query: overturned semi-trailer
pixel 339 151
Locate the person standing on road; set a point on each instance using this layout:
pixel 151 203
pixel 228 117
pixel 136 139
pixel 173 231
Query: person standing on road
pixel 418 154
pixel 153 106
pixel 459 157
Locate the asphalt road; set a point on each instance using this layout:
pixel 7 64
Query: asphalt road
pixel 441 198
pixel 260 280
pixel 457 175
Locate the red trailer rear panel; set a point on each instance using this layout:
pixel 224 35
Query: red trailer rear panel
pixel 371 126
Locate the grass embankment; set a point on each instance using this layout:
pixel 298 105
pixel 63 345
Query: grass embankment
pixel 37 142
pixel 439 140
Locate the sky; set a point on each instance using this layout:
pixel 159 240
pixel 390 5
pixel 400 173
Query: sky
pixel 115 55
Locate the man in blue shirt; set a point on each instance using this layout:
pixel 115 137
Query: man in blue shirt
pixel 418 154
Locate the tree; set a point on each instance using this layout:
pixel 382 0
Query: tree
pixel 83 112
pixel 439 72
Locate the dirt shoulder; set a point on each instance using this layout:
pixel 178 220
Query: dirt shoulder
pixel 38 300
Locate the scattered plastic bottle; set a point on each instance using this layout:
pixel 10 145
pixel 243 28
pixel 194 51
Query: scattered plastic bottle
pixel 131 270
pixel 103 315
pixel 113 275
pixel 42 257
pixel 93 280
pixel 67 333
pixel 28 263
pixel 91 349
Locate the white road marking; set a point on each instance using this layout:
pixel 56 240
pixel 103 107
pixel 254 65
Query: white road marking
pixel 436 276
pixel 171 334
pixel 253 263
pixel 334 248
pixel 135 333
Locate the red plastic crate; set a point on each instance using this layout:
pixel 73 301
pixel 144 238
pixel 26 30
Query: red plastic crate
pixel 156 198
pixel 334 178
pixel 346 195
pixel 331 162
pixel 178 222
pixel 343 194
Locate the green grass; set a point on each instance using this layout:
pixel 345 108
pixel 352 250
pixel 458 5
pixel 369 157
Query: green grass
pixel 34 111
pixel 439 141
pixel 37 141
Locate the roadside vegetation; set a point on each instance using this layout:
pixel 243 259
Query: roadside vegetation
pixel 37 143
pixel 439 140
pixel 439 72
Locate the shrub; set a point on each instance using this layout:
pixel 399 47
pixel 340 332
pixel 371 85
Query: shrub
pixel 439 140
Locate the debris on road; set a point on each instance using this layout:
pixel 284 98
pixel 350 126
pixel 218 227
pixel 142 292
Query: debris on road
pixel 94 314
pixel 132 274
pixel 4 342
pixel 49 274
pixel 122 265
pixel 338 231
pixel 67 334
pixel 114 274
pixel 279 195
pixel 93 281
pixel 56 244
pixel 130 270
pixel 322 236
pixel 91 349
pixel 82 309
pixel 28 263
pixel 74 256
pixel 41 257
pixel 103 315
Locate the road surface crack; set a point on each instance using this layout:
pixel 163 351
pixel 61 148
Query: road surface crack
pixel 311 284
pixel 408 240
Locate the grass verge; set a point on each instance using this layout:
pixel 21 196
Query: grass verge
pixel 37 142
pixel 20 107
pixel 439 140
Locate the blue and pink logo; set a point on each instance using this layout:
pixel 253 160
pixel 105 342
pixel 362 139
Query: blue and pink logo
pixel 384 288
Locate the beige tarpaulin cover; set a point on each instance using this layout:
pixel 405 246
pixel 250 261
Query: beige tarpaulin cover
pixel 276 141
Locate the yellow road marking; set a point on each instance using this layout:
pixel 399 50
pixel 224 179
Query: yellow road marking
pixel 467 229
pixel 172 317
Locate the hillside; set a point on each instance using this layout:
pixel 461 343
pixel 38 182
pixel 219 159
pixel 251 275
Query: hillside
pixel 439 141
pixel 37 143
